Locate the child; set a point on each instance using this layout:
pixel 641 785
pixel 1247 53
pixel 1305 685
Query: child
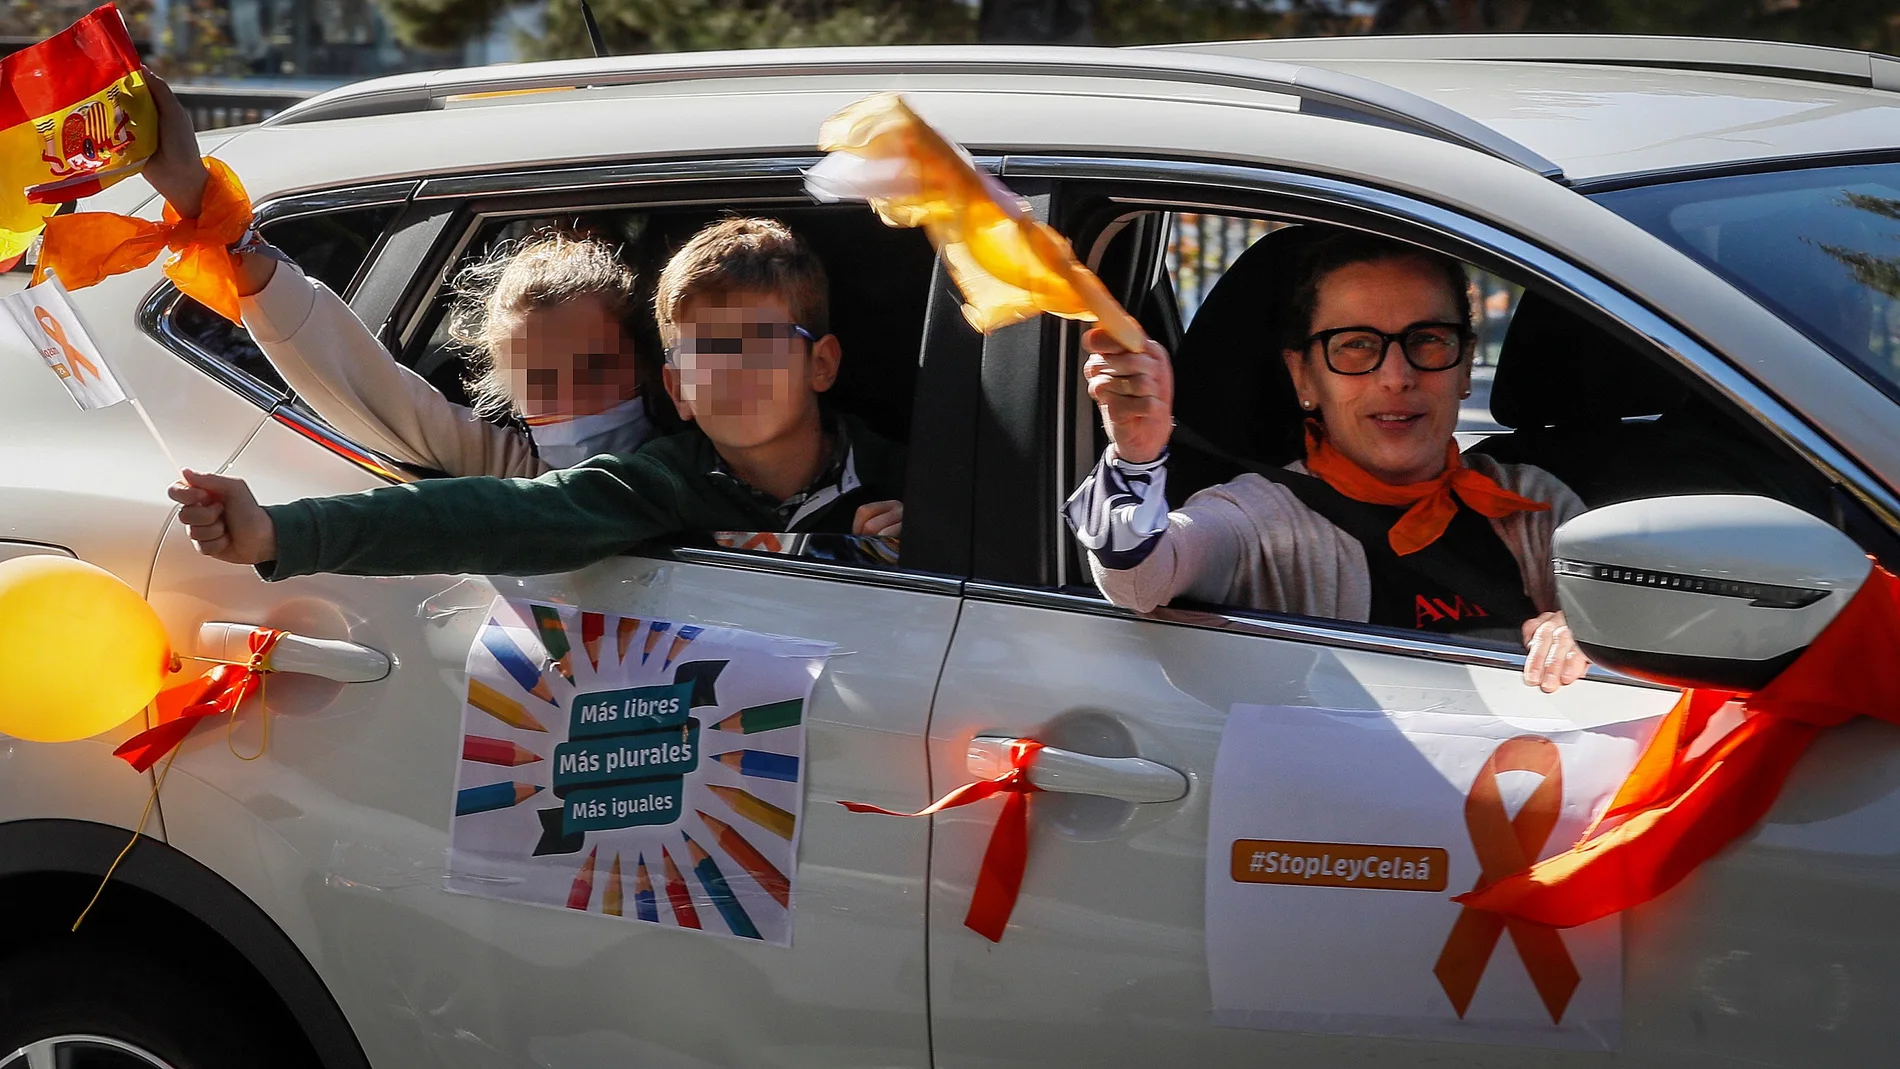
pixel 742 308
pixel 545 322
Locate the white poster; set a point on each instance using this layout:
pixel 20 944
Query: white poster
pixel 639 768
pixel 1337 841
pixel 45 317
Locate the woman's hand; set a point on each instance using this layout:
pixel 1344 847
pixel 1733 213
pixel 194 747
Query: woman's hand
pixel 1135 393
pixel 1554 660
pixel 175 168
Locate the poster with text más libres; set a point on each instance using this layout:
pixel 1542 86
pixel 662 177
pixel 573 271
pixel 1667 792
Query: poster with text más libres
pixel 646 769
pixel 1337 840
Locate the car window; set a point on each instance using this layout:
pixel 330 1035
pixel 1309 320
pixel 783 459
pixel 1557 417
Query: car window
pixel 879 289
pixel 1819 246
pixel 1553 388
pixel 330 247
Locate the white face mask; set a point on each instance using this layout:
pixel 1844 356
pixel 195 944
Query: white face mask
pixel 620 429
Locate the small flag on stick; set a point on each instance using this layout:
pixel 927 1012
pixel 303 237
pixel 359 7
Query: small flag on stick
pixel 1008 265
pixel 46 316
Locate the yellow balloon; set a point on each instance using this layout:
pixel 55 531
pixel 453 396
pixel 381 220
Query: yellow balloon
pixel 80 652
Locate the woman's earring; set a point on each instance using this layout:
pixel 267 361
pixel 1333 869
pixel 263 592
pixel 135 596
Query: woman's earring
pixel 1304 403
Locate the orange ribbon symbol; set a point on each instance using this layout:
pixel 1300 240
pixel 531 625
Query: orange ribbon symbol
pixel 1505 845
pixel 74 358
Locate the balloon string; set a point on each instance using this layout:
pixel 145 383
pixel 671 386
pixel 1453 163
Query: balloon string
pixel 157 782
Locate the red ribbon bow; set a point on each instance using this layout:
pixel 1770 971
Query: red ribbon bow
pixel 218 692
pixel 1001 877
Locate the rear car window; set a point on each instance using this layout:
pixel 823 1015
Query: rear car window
pixel 330 247
pixel 1819 246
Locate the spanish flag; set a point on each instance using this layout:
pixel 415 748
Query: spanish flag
pixel 75 117
pixel 1008 265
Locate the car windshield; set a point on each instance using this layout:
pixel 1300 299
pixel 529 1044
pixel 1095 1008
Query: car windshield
pixel 1820 246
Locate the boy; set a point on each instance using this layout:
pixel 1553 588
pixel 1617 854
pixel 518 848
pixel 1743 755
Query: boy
pixel 743 311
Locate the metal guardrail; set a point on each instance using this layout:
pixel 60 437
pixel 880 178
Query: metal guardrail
pixel 214 107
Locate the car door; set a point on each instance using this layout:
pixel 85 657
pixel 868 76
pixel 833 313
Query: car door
pixel 340 827
pixel 1106 961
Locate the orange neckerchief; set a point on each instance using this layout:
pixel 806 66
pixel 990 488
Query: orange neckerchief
pixel 85 247
pixel 1431 501
pixel 1678 811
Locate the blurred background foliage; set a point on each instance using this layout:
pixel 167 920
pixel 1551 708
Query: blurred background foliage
pixel 336 40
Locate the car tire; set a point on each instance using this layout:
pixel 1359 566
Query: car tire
pixel 161 1010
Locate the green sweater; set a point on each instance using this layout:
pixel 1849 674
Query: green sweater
pixel 566 519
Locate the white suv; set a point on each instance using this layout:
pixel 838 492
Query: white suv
pixel 1698 277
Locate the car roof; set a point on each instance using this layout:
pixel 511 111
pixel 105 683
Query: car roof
pixel 1606 107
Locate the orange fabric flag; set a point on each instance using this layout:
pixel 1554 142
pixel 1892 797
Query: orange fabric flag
pixel 1008 265
pixel 75 117
pixel 85 247
pixel 1678 811
pixel 1432 503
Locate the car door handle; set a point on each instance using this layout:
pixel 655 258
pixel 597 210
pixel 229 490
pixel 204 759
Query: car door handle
pixel 344 662
pixel 1130 779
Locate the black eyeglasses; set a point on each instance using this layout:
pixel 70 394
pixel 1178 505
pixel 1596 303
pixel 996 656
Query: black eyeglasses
pixel 1361 350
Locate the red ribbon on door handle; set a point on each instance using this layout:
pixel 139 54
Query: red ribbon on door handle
pixel 1000 878
pixel 218 692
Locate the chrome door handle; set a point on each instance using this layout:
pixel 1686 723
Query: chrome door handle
pixel 1130 779
pixel 344 662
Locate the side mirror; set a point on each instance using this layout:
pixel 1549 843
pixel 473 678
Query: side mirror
pixel 1719 591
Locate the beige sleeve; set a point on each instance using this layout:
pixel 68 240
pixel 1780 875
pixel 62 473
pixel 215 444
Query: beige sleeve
pixel 1250 544
pixel 338 367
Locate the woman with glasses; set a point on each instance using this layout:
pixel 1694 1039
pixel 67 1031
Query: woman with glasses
pixel 1383 521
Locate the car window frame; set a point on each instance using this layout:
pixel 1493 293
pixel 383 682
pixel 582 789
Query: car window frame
pixel 1237 188
pixel 445 213
pixel 156 313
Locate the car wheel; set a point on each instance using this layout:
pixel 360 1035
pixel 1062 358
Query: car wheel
pixel 87 1007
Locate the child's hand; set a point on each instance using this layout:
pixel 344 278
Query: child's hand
pixel 1135 393
pixel 225 521
pixel 879 518
pixel 174 168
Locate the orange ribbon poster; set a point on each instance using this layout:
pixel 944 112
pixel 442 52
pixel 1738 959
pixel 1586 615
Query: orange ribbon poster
pixel 1505 844
pixel 45 317
pixel 1339 840
pixel 75 117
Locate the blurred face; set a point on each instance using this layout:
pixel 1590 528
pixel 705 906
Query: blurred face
pixel 1396 421
pixel 571 359
pixel 745 371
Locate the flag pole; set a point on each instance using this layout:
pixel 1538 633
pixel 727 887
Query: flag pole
pixel 156 437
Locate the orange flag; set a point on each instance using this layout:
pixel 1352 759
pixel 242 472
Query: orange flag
pixel 75 117
pixel 1677 811
pixel 1008 265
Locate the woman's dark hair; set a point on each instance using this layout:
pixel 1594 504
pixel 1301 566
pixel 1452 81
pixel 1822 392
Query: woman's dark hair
pixel 1344 248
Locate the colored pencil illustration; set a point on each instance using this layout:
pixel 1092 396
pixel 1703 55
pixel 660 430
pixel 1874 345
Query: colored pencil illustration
pixel 757 810
pixel 677 894
pixel 501 707
pixel 593 625
pixel 686 634
pixel 489 796
pixel 610 894
pixel 654 631
pixel 516 663
pixel 581 891
pixel 760 764
pixel 715 884
pixel 763 872
pixel 629 627
pixel 764 717
pixel 644 904
pixel 487 751
pixel 547 621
